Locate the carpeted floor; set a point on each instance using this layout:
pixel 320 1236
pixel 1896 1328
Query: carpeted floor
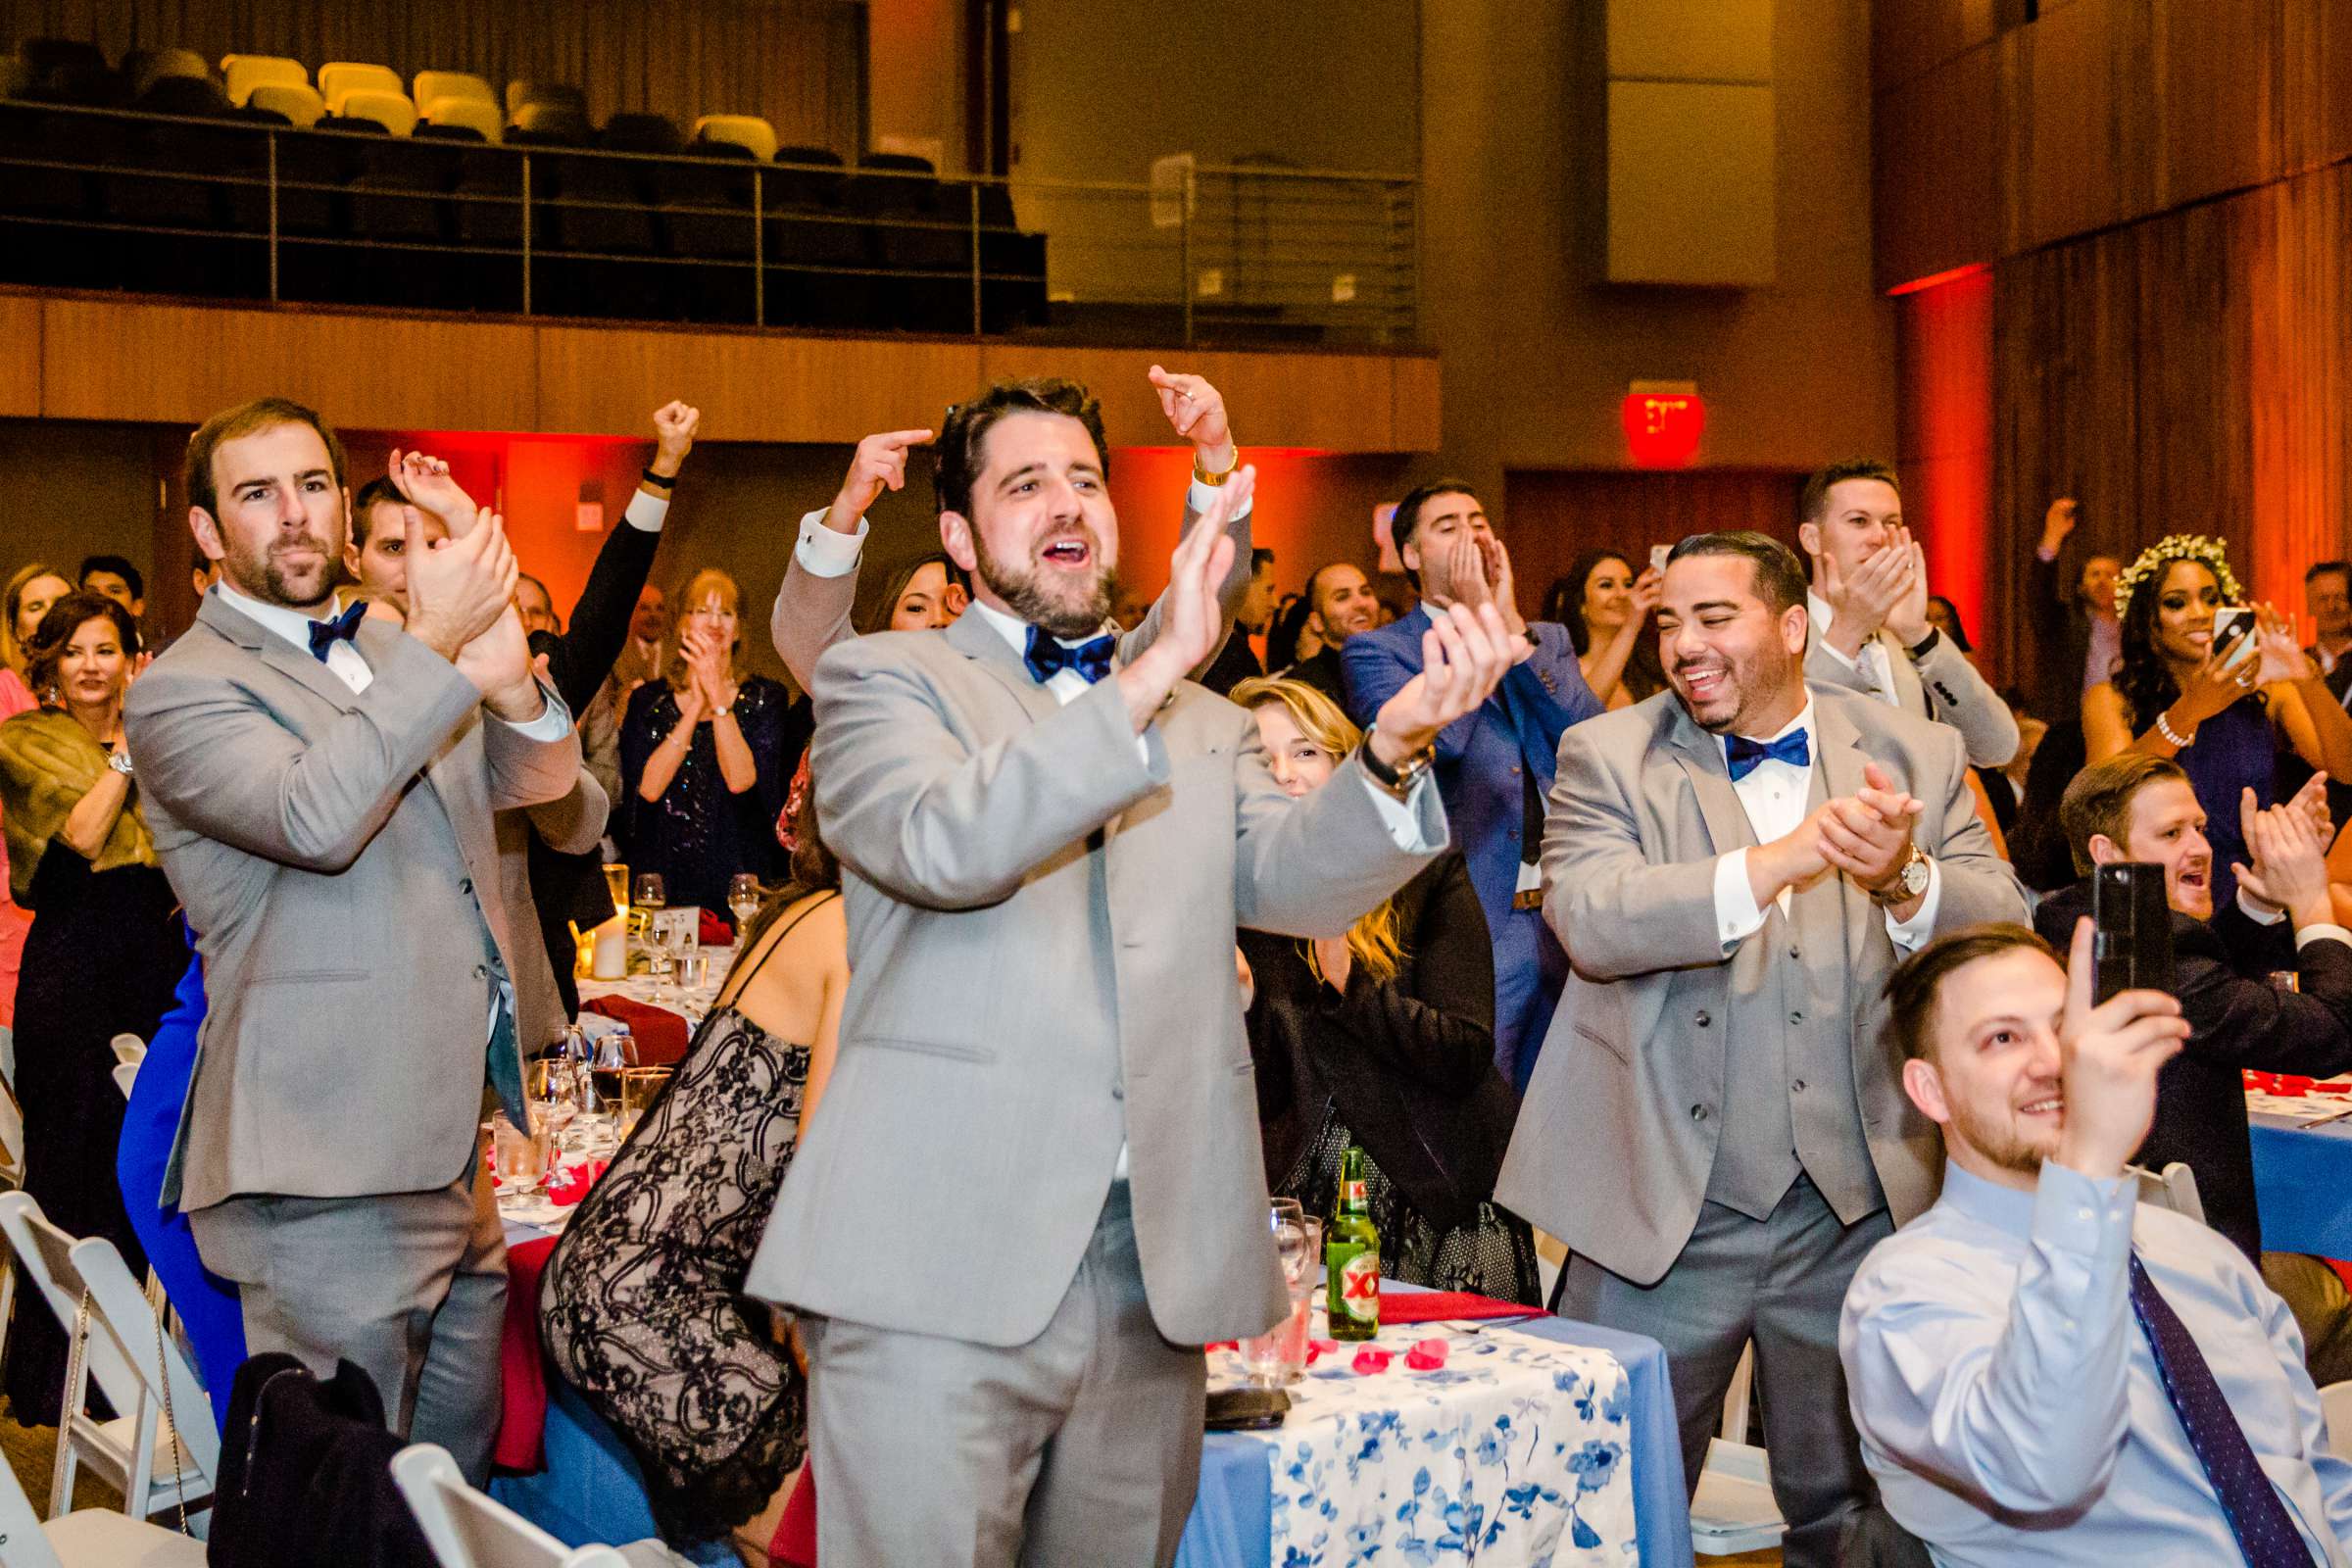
pixel 32 1451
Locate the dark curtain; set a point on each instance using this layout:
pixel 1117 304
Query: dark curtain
pixel 798 64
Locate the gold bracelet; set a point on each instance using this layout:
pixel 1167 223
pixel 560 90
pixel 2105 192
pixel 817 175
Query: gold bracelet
pixel 1215 481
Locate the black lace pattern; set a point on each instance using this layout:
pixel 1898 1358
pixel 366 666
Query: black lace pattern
pixel 642 1308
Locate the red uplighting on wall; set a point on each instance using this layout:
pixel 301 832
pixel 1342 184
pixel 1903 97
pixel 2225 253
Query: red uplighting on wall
pixel 1663 422
pixel 1944 334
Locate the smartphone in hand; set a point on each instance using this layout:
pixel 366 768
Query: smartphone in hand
pixel 2131 929
pixel 2232 633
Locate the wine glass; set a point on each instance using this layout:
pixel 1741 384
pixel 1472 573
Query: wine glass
pixel 743 901
pixel 649 898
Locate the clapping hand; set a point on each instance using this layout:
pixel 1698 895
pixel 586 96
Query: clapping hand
pixel 1191 624
pixel 1464 655
pixel 2108 1057
pixel 1868 835
pixel 2290 853
pixel 710 679
pixel 427 483
pixel 1197 412
pixel 455 591
pixel 879 463
pixel 674 424
pixel 1907 617
pixel 2281 653
pixel 1859 605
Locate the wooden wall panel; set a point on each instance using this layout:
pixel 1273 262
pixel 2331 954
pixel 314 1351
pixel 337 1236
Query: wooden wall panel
pixel 177 363
pixel 1322 402
pixel 19 357
pixel 1552 516
pixel 1416 404
pixel 2215 70
pixel 1937 188
pixel 1909 38
pixel 2058 77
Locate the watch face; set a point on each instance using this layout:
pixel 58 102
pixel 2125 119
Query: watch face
pixel 1915 877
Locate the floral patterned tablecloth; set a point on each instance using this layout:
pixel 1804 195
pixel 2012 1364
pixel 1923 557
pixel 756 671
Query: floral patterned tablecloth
pixel 1512 1454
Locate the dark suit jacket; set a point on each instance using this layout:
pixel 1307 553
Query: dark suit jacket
pixel 1409 1063
pixel 1324 673
pixel 2057 630
pixel 1236 663
pixel 2237 1019
pixel 572 886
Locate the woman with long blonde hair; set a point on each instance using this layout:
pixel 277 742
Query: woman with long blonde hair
pixel 1384 1038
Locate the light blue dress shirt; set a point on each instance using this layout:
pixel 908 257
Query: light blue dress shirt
pixel 2009 1404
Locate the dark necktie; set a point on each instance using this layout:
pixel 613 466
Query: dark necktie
pixel 2265 1531
pixel 1047 657
pixel 1742 755
pixel 344 629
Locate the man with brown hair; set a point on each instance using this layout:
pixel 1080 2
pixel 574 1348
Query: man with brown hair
pixel 321 788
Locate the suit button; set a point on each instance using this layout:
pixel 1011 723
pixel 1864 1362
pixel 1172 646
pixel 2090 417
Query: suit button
pixel 1698 1113
pixel 1796 1015
pixel 1514 767
pixel 1798 1088
pixel 466 886
pixel 481 971
pixel 1703 1020
pixel 1118 1091
pixel 1796 953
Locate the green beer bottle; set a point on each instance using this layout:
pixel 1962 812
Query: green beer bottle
pixel 1352 1255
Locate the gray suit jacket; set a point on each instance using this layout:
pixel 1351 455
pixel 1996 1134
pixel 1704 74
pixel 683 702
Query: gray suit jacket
pixel 573 824
pixel 812 613
pixel 1041 958
pixel 1944 686
pixel 1618 1133
pixel 336 854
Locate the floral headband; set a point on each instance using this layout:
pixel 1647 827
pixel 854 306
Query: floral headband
pixel 2207 551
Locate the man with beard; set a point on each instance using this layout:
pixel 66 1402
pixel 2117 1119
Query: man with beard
pixel 1340 604
pixel 2044 1369
pixel 1494 765
pixel 1036 1190
pixel 321 793
pixel 1715 1129
pixel 2134 807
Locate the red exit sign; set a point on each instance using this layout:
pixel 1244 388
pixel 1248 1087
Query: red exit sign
pixel 1663 422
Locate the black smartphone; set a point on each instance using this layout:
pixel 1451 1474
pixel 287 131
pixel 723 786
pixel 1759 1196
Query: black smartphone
pixel 1247 1410
pixel 2131 929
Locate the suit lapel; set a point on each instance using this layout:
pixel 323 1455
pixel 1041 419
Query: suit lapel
pixel 974 636
pixel 297 664
pixel 1701 758
pixel 1842 763
pixel 1910 693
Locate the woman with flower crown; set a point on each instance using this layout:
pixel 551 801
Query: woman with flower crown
pixel 2222 719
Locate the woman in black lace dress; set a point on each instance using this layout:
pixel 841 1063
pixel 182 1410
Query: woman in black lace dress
pixel 702 758
pixel 642 1307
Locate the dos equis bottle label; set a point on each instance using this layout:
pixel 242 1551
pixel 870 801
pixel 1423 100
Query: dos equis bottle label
pixel 1352 1255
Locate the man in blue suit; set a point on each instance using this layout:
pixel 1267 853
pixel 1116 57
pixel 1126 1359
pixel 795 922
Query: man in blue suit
pixel 1494 767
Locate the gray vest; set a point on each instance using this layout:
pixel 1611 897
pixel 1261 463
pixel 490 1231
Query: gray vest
pixel 1788 1099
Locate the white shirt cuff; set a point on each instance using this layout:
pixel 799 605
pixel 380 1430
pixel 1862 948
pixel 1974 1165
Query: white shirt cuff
pixel 2325 931
pixel 1401 817
pixel 553 723
pixel 1737 915
pixel 1201 496
pixel 2258 912
pixel 646 510
pixel 823 553
pixel 1909 935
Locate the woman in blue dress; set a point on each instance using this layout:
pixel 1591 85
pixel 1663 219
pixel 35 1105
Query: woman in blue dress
pixel 2223 719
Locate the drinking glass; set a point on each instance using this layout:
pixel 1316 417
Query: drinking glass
pixel 617 883
pixel 1271 1359
pixel 650 899
pixel 744 898
pixel 519 1156
pixel 615 1054
pixel 639 1087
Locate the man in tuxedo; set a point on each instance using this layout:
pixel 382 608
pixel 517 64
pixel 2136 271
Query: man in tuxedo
pixel 1715 1128
pixel 1494 765
pixel 1341 603
pixel 1869 612
pixel 1027 1207
pixel 2134 807
pixel 321 793
pixel 819 591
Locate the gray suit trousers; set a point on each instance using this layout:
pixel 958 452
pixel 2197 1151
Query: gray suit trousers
pixel 1779 1282
pixel 410 1286
pixel 1078 1448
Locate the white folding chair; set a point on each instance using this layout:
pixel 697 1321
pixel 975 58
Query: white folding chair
pixel 95 1537
pixel 468 1529
pixel 12 1139
pixel 1733 1510
pixel 135 1365
pixel 2174 1188
pixel 125 1074
pixel 128 1047
pixel 2336 1408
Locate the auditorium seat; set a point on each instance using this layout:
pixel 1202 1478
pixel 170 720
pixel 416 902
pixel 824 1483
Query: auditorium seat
pixel 550 124
pixel 67 71
pixel 926 248
pixel 521 92
pixel 298 102
pixel 641 133
pixel 346 75
pixel 142 68
pixel 241 73
pixel 194 97
pixel 39 205
pixel 430 85
pixel 398 197
pixel 705 204
pixel 390 110
pixel 486 204
pixel 816 247
pixel 462 117
pixel 748 131
pixel 1012 293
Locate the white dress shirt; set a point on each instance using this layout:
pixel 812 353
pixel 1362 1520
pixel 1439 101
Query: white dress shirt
pixel 824 553
pixel 2009 1403
pixel 1776 795
pixel 1870 661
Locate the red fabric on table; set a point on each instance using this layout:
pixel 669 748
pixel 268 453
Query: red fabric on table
pixel 2344 1270
pixel 1439 1306
pixel 794 1545
pixel 715 932
pixel 661 1035
pixel 523 1403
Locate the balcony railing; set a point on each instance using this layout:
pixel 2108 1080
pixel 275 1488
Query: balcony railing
pixel 93 198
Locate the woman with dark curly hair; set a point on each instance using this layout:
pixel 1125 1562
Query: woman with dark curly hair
pixel 2223 719
pixel 103 954
pixel 1606 608
pixel 642 1307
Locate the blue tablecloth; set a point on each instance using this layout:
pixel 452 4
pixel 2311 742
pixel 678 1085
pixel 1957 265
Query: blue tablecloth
pixel 1233 1516
pixel 2303 1183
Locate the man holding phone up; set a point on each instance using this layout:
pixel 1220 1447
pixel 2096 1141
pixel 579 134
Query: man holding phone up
pixel 2137 807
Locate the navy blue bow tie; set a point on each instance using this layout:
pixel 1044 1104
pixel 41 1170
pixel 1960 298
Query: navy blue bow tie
pixel 1795 748
pixel 344 629
pixel 1047 657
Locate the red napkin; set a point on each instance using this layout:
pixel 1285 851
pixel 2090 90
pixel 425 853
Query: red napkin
pixel 715 932
pixel 569 1185
pixel 523 1404
pixel 794 1545
pixel 1440 1306
pixel 661 1034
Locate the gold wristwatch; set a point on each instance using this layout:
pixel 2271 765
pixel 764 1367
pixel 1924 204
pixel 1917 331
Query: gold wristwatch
pixel 1400 780
pixel 1216 479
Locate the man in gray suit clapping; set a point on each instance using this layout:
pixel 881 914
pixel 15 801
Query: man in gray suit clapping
pixel 1035 1190
pixel 1715 1127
